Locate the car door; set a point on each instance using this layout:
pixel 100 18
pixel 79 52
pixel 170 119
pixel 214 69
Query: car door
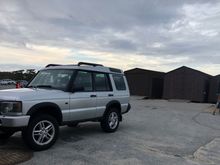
pixel 83 99
pixel 103 90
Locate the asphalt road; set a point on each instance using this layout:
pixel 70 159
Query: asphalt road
pixel 154 132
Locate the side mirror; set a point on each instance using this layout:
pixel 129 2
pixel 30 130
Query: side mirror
pixel 78 89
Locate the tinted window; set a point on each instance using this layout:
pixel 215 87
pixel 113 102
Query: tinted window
pixel 101 82
pixel 119 82
pixel 83 79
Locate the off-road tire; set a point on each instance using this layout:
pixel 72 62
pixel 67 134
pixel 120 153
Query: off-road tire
pixel 105 122
pixel 36 123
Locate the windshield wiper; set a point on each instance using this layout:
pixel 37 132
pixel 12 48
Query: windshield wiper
pixel 40 86
pixel 44 86
pixel 30 86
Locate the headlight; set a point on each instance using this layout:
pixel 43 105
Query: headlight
pixel 10 107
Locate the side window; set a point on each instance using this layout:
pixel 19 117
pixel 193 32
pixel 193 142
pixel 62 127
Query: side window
pixel 84 79
pixel 119 82
pixel 102 82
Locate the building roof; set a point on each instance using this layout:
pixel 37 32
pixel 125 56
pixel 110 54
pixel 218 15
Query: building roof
pixel 188 68
pixel 135 70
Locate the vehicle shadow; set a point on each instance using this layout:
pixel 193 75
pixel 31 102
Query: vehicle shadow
pixel 83 131
pixel 72 134
pixel 13 142
pixel 66 135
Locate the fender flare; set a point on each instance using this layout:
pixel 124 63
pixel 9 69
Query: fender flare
pixel 40 107
pixel 113 103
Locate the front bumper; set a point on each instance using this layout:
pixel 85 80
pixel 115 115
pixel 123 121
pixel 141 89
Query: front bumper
pixel 14 121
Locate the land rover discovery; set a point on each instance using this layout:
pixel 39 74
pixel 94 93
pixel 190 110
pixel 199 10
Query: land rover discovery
pixel 64 95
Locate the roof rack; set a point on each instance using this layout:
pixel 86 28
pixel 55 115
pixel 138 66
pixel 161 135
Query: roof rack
pixel 49 65
pixel 86 63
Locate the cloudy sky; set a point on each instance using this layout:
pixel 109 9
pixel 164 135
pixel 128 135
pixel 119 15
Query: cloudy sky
pixel 153 34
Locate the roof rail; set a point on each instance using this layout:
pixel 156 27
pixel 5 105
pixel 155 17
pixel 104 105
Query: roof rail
pixel 115 70
pixel 86 63
pixel 49 65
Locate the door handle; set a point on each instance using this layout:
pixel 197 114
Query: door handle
pixel 110 95
pixel 92 95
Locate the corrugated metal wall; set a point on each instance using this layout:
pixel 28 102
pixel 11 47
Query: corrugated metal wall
pixel 186 83
pixel 181 83
pixel 145 82
pixel 214 89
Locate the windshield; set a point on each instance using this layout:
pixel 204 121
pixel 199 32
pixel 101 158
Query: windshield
pixel 52 78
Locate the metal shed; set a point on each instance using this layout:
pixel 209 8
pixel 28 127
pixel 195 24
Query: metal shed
pixel 145 82
pixel 214 89
pixel 186 83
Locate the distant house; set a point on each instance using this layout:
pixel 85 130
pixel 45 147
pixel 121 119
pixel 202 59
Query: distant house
pixel 145 82
pixel 214 88
pixel 186 83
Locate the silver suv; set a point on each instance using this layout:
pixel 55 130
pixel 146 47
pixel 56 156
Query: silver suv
pixel 64 95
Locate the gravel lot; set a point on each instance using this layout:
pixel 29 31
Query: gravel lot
pixel 154 132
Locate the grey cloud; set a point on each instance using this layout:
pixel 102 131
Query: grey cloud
pixel 116 26
pixel 123 45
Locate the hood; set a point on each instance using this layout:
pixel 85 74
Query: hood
pixel 28 94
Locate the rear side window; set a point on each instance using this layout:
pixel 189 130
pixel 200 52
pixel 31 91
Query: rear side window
pixel 102 82
pixel 84 79
pixel 119 82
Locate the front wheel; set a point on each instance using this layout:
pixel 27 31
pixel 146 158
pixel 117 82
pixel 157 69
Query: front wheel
pixel 110 121
pixel 41 133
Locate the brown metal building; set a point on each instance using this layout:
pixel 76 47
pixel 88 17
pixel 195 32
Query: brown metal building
pixel 186 83
pixel 214 89
pixel 145 82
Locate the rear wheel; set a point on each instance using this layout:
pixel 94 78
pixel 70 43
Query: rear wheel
pixel 110 121
pixel 41 133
